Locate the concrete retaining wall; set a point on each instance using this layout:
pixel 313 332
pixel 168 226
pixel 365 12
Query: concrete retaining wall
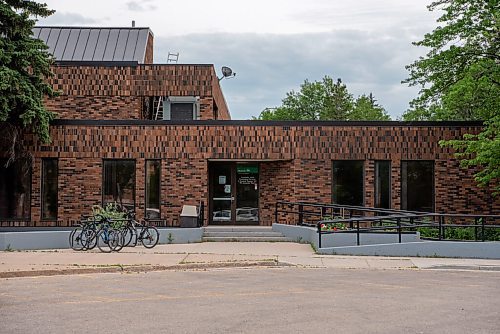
pixel 59 239
pixel 481 250
pixel 310 235
pixel 386 244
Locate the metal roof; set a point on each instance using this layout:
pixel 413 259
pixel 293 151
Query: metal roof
pixel 95 44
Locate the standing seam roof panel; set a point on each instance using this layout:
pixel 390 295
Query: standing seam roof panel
pixel 140 49
pixel 131 44
pixel 44 35
pixel 121 45
pixel 101 45
pixel 94 44
pixel 91 45
pixel 53 38
pixel 111 45
pixel 71 44
pixel 81 45
pixel 61 43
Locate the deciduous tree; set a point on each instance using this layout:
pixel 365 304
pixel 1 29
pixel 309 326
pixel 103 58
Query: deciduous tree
pixel 460 79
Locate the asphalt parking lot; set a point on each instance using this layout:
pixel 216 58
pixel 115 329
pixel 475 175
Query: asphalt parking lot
pixel 257 300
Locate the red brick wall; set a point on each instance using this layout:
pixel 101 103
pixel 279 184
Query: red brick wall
pixel 303 172
pixel 95 107
pixel 88 92
pixel 148 57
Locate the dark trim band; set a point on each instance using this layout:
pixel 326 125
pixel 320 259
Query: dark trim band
pixel 131 122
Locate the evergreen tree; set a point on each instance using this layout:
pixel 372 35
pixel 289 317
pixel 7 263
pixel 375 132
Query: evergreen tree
pixel 24 69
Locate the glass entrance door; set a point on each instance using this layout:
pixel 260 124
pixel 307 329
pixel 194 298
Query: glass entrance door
pixel 234 193
pixel 247 194
pixel 222 194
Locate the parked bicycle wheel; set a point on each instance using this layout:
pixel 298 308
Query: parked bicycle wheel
pixel 91 236
pixel 77 240
pixel 117 240
pixel 150 236
pixel 108 240
pixel 128 235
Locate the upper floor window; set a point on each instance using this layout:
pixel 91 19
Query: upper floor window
pixel 181 108
pixel 15 190
pixel 171 108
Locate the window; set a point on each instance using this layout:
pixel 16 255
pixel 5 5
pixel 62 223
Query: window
pixel 153 168
pixel 15 190
pixel 119 183
pixel 417 186
pixel 348 182
pixel 383 184
pixel 181 108
pixel 49 189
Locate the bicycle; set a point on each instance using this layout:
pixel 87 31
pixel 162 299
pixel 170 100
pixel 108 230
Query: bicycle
pixel 148 235
pixel 96 231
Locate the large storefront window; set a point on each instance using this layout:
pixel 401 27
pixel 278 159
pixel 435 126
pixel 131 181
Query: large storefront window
pixel 348 182
pixel 417 186
pixel 383 184
pixel 153 168
pixel 15 190
pixel 49 189
pixel 119 183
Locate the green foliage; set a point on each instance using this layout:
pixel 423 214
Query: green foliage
pixel 24 68
pixel 112 212
pixel 366 108
pixel 460 233
pixel 324 100
pixel 460 80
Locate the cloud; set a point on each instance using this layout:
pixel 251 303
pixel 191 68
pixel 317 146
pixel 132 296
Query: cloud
pixel 140 6
pixel 67 18
pixel 269 65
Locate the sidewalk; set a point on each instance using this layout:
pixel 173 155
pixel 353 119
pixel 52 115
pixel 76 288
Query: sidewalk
pixel 213 255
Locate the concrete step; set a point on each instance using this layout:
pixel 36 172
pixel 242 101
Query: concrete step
pixel 238 229
pixel 241 234
pixel 245 239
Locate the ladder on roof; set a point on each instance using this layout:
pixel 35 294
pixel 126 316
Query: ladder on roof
pixel 158 107
pixel 173 57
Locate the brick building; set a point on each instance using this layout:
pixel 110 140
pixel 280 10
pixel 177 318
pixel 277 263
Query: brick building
pixel 154 137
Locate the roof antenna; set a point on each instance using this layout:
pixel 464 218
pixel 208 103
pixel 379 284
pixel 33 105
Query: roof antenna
pixel 133 23
pixel 227 73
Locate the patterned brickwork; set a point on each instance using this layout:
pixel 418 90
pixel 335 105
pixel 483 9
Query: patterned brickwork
pixel 95 107
pixel 301 170
pixel 91 91
pixel 149 56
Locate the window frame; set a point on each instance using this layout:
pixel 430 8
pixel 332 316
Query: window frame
pixel 30 183
pixel 42 190
pixel 433 183
pixel 363 176
pixel 146 186
pixel 375 188
pixel 167 106
pixel 103 174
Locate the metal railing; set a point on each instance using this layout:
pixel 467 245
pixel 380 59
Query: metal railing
pixel 359 220
pixel 307 213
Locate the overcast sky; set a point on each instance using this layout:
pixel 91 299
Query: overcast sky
pixel 274 45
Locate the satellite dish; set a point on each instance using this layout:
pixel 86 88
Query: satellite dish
pixel 227 73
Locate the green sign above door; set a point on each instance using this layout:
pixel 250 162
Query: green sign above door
pixel 247 169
